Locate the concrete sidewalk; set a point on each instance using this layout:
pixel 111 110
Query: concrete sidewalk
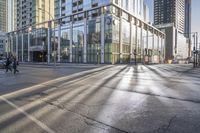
pixel 61 65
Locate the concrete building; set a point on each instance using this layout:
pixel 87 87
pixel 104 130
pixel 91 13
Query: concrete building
pixel 176 44
pixel 96 31
pixel 31 12
pixel 170 11
pixel 3 15
pixel 188 15
pixel 173 17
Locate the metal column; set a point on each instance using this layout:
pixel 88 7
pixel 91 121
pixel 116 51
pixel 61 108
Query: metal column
pixel 22 47
pixel 120 40
pixel 17 46
pixel 102 38
pixel 131 40
pixel 49 43
pixel 71 40
pixel 85 42
pixel 59 35
pixel 28 47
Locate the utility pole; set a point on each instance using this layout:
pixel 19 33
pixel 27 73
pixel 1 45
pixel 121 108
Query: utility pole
pixel 196 49
pixel 194 64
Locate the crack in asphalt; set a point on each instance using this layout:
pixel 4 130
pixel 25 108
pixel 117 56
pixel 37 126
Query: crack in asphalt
pixel 62 107
pixel 165 128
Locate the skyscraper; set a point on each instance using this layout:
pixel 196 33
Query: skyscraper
pixel 30 12
pixel 3 15
pixel 174 18
pixel 11 14
pixel 170 11
pixel 187 17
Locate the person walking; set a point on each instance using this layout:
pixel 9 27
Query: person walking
pixel 8 63
pixel 15 63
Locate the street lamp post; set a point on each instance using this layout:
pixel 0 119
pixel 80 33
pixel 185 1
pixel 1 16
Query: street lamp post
pixel 195 43
pixel 54 41
pixel 196 49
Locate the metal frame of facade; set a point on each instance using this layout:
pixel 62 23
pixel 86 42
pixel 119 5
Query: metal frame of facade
pixel 132 20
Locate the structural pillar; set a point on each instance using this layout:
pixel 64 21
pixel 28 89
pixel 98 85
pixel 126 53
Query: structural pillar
pixel 28 47
pixel 71 40
pixel 59 35
pixel 49 43
pixel 131 40
pixel 153 43
pixel 147 44
pixel 11 44
pixel 22 47
pixel 85 42
pixel 142 44
pixel 102 38
pixel 120 40
pixel 17 46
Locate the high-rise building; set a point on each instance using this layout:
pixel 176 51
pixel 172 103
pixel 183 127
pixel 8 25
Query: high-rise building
pixel 170 11
pixel 188 16
pixel 11 15
pixel 3 15
pixel 174 18
pixel 31 12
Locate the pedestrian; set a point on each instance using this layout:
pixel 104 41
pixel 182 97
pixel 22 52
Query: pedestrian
pixel 15 63
pixel 8 64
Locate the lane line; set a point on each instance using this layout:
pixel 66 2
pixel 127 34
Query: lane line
pixel 53 81
pixel 36 121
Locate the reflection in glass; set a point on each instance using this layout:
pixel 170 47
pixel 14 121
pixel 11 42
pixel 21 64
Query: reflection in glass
pixel 77 44
pixel 65 45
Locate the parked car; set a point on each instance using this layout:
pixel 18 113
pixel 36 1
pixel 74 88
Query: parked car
pixel 2 62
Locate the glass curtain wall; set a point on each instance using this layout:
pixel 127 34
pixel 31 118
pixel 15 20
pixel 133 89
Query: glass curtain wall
pixel 38 45
pixel 25 48
pixel 19 46
pixel 108 39
pixel 150 46
pixel 13 47
pixel 93 41
pixel 126 41
pixel 134 41
pixel 144 45
pixel 54 44
pixel 155 50
pixel 77 44
pixel 115 49
pixel 139 45
pixel 65 45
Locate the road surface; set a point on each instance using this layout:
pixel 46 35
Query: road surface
pixel 105 99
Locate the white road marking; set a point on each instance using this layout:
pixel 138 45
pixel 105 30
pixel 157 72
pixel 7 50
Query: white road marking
pixel 39 123
pixel 53 81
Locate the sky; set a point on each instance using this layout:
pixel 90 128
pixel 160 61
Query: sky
pixel 195 14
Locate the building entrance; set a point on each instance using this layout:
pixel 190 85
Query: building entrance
pixel 39 56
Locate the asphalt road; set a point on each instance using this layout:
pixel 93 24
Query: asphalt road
pixel 106 99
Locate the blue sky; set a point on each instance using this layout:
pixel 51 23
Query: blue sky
pixel 195 14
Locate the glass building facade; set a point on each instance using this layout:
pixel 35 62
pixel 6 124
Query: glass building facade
pixel 91 31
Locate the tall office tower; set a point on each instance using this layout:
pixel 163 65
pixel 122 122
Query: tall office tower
pixel 31 12
pixel 188 17
pixel 11 13
pixel 170 11
pixel 3 15
pixel 174 18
